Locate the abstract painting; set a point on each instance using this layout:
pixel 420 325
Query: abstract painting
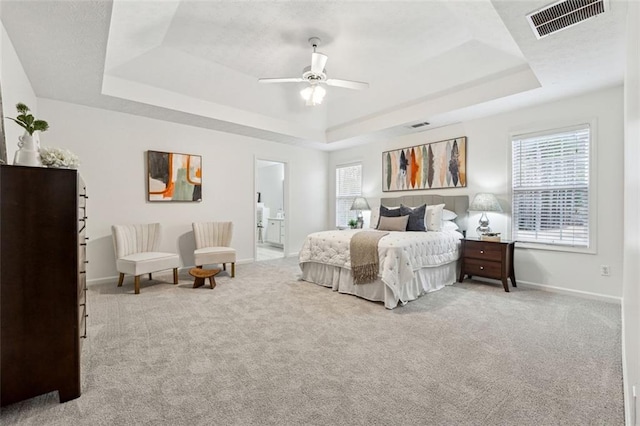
pixel 174 177
pixel 434 165
pixel 3 142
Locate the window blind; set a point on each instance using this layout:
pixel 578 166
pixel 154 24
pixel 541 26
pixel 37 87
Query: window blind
pixel 550 187
pixel 348 187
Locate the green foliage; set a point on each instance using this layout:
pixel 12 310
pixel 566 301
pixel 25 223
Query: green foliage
pixel 352 223
pixel 27 121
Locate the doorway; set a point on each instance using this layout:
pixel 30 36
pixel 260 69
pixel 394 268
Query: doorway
pixel 271 216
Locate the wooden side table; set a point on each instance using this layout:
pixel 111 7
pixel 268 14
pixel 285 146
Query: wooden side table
pixel 200 274
pixel 488 259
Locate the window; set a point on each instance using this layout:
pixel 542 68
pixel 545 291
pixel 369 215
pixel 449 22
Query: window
pixel 348 187
pixel 550 187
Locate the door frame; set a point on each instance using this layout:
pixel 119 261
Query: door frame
pixel 285 202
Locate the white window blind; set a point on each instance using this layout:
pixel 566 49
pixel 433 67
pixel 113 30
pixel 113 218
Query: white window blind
pixel 348 187
pixel 550 175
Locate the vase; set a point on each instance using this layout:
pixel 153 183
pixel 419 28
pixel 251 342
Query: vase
pixel 28 154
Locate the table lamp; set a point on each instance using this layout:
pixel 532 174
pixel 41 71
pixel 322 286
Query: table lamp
pixel 360 204
pixel 484 202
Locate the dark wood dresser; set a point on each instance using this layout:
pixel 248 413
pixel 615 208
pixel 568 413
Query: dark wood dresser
pixel 42 281
pixel 488 259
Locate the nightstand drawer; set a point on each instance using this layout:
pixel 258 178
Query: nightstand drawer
pixel 483 268
pixel 483 250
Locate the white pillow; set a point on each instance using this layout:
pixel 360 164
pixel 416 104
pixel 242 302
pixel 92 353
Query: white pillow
pixel 448 225
pixel 433 217
pixel 448 215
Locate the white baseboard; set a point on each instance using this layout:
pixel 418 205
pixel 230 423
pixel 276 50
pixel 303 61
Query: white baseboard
pixel 580 293
pixel 183 269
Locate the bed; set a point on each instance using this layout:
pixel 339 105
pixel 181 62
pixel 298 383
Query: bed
pixel 411 263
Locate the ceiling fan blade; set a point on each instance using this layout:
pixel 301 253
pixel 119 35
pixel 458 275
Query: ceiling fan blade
pixel 318 61
pixel 282 80
pixel 347 84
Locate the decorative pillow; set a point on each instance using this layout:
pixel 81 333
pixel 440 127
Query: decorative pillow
pixel 433 218
pixel 387 212
pixel 447 225
pixel 388 223
pixel 416 217
pixel 448 215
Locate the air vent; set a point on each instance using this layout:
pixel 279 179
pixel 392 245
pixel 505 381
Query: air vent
pixel 564 14
pixel 418 125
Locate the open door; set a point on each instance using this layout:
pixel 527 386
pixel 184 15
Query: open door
pixel 271 215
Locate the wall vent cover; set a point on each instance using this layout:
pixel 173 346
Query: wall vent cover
pixel 564 14
pixel 418 125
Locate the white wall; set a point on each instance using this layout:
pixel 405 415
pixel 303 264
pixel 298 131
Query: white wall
pixel 16 87
pixel 631 287
pixel 112 149
pixel 488 168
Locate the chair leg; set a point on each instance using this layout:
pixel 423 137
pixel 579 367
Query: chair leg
pixel 136 284
pixel 121 279
pixel 233 269
pixel 150 276
pixel 224 266
pixel 175 276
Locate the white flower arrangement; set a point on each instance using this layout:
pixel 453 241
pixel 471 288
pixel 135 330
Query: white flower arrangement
pixel 59 158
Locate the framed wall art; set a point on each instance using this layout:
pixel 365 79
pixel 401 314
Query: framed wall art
pixel 173 176
pixel 433 165
pixel 3 142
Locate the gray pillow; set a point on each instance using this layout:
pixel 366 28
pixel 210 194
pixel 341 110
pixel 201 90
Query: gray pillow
pixel 388 212
pixel 416 217
pixel 393 223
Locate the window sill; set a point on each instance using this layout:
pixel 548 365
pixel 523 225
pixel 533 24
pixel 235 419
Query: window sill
pixel 551 247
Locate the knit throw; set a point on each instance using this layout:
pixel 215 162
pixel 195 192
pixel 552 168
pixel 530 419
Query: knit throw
pixel 365 263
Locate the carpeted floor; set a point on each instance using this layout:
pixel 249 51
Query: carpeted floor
pixel 266 349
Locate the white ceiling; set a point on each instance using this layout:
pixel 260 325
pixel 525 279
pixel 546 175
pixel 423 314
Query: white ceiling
pixel 198 62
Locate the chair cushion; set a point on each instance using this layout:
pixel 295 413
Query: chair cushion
pixel 147 262
pixel 209 255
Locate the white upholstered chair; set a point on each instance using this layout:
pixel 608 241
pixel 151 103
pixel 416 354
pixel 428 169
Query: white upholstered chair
pixel 212 244
pixel 136 248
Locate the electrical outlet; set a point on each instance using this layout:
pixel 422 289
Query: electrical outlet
pixel 604 270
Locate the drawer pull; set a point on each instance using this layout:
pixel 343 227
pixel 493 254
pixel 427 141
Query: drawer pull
pixel 481 251
pixel 482 268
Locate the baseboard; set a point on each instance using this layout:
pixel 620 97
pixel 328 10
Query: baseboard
pixel 629 403
pixel 183 269
pixel 579 293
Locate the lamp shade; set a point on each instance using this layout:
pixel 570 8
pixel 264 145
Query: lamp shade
pixel 485 202
pixel 313 95
pixel 360 203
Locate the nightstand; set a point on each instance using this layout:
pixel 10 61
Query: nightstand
pixel 488 259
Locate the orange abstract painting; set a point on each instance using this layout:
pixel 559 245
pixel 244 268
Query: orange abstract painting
pixel 434 165
pixel 174 176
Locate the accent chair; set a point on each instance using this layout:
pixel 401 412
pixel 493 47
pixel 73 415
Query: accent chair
pixel 136 248
pixel 213 240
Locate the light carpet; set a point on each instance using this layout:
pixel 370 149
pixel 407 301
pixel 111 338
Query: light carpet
pixel 266 349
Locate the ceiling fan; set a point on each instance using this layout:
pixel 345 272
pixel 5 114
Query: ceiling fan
pixel 316 76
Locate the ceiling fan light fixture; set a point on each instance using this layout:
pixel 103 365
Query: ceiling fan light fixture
pixel 313 95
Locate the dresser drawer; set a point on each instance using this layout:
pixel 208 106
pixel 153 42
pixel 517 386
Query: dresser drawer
pixel 482 250
pixel 483 268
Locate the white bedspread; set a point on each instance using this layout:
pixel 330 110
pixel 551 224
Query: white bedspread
pixel 400 253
